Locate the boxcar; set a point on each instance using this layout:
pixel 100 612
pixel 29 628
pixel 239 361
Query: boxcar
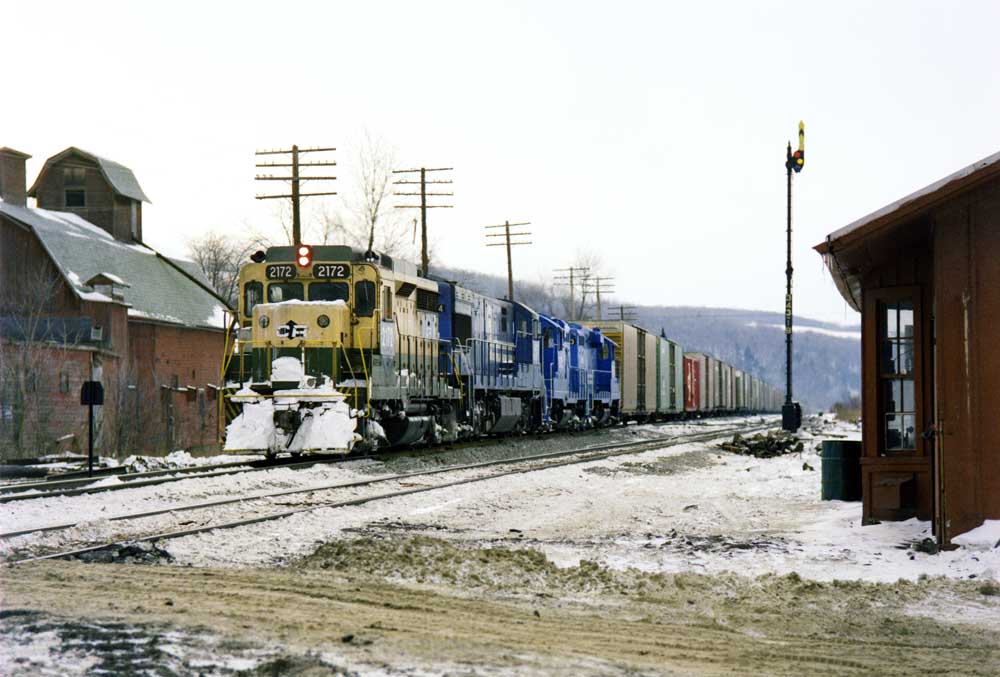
pixel 692 384
pixel 669 377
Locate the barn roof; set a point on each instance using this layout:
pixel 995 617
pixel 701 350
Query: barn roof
pixel 160 289
pixel 119 176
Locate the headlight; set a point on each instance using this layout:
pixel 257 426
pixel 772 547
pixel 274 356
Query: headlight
pixel 264 321
pixel 323 321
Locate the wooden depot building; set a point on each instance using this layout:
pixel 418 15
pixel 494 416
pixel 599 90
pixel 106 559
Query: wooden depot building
pixel 925 274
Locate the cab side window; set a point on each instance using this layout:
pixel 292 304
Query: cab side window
pixel 364 298
pixel 253 293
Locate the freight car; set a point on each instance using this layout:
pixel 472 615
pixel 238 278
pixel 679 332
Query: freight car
pixel 339 349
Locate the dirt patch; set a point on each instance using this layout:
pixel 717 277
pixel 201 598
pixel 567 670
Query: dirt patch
pixel 584 621
pixel 129 553
pixel 666 465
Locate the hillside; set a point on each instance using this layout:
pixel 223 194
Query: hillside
pixel 827 357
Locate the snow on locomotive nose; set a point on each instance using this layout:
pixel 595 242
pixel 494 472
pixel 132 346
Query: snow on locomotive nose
pixel 284 409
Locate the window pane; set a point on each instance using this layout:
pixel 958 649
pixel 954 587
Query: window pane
pixel 893 432
pixel 892 394
pixel 284 291
pixel 891 319
pixel 906 318
pixel 908 402
pixel 889 351
pixel 76 197
pixel 904 357
pixel 329 291
pixel 253 293
pixel 909 431
pixel 364 298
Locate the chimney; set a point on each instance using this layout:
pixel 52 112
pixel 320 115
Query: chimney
pixel 13 188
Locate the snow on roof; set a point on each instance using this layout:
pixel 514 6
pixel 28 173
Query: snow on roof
pixel 889 209
pixel 113 279
pixel 119 176
pixel 161 289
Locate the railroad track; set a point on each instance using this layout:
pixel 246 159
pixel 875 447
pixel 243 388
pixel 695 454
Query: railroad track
pixel 532 463
pixel 77 487
pixel 85 485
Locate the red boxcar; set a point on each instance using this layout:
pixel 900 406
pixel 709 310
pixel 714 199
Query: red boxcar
pixel 692 383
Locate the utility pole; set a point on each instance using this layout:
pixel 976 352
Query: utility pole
pixel 625 313
pixel 423 206
pixel 507 225
pixel 791 412
pixel 296 179
pixel 571 281
pixel 599 284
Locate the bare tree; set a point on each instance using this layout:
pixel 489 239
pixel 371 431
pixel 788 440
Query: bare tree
pixel 32 355
pixel 220 258
pixel 375 224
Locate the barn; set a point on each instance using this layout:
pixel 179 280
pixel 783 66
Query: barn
pixel 83 298
pixel 924 272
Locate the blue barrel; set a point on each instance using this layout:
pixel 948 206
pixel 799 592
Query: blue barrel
pixel 841 470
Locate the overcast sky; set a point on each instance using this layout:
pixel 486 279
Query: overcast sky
pixel 653 133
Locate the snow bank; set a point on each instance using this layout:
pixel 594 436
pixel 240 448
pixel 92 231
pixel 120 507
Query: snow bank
pixel 253 428
pixel 287 369
pixel 328 427
pixel 983 537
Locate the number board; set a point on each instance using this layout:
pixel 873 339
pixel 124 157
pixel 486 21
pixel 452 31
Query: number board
pixel 337 271
pixel 280 271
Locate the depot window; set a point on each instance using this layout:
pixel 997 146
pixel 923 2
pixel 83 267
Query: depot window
pixel 329 291
pixel 364 298
pixel 253 293
pixel 896 376
pixel 284 291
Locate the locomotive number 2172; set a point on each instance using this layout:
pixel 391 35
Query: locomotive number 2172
pixel 332 270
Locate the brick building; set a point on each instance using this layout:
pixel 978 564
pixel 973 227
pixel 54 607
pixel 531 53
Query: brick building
pixel 82 296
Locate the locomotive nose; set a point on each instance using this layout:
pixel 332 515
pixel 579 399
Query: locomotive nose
pixel 291 322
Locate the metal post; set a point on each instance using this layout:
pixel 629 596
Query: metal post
pixel 510 269
pixel 296 223
pixel 791 412
pixel 788 293
pixel 424 262
pixel 572 303
pixel 90 440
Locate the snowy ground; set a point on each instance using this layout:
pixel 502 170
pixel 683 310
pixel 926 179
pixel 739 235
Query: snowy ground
pixel 686 508
pixel 631 543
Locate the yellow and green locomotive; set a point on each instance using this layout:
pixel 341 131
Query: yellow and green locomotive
pixel 337 349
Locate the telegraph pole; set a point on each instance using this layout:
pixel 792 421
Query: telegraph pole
pixel 625 313
pixel 791 412
pixel 600 284
pixel 507 225
pixel 570 280
pixel 423 206
pixel 296 179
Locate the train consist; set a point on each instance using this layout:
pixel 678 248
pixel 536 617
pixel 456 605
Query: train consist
pixel 340 349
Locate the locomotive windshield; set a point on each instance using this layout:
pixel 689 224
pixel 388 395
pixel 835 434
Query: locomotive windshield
pixel 284 291
pixel 329 291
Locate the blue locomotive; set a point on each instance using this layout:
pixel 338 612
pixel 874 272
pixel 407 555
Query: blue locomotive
pixel 340 349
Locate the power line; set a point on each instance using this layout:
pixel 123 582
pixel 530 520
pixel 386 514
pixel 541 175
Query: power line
pixel 599 284
pixel 572 282
pixel 625 313
pixel 296 178
pixel 507 235
pixel 423 206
